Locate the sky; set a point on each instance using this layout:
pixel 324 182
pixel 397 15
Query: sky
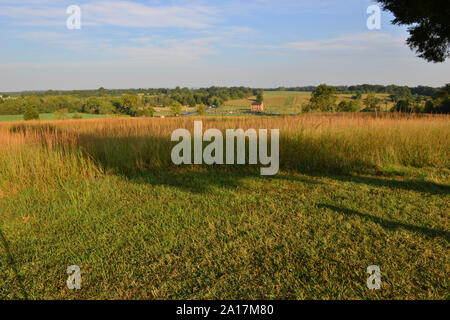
pixel 201 43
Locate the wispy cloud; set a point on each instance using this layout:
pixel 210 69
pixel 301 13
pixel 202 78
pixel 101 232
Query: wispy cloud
pixel 110 13
pixel 173 52
pixel 132 14
pixel 145 50
pixel 359 41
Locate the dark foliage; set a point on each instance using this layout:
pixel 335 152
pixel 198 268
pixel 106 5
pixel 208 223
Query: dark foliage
pixel 429 25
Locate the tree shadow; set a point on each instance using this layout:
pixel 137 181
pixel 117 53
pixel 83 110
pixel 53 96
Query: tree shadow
pixel 410 185
pixel 148 159
pixel 12 264
pixel 390 225
pixel 193 181
pixel 294 178
pixel 203 180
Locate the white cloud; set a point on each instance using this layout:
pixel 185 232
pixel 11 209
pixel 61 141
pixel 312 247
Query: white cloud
pixel 141 40
pixel 170 52
pixel 74 42
pixel 110 13
pixel 132 14
pixel 359 41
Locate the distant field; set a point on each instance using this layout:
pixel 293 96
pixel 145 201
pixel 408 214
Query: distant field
pixel 289 102
pixel 49 116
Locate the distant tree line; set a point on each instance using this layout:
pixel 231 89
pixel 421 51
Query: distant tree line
pixel 366 88
pixel 324 99
pixel 142 102
pixel 185 95
pixel 133 102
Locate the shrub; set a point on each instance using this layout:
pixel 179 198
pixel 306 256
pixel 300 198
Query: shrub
pixel 260 97
pixel 145 112
pixel 348 106
pixel 201 109
pixel 403 106
pixel 77 116
pixel 175 108
pixel 371 102
pixel 61 114
pixel 30 113
pixel 149 112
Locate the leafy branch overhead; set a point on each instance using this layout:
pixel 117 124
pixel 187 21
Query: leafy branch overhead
pixel 429 26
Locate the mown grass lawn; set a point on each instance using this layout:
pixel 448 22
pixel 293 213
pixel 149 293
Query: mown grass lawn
pixel 216 234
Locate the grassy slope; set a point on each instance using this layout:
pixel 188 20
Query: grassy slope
pixel 203 235
pixel 217 234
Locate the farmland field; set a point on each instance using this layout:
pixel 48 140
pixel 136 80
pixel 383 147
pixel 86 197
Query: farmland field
pixel 291 102
pixel 353 190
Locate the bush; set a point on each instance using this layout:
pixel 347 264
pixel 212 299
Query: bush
pixel 30 113
pixel 348 106
pixel 145 112
pixel 260 97
pixel 175 109
pixel 61 114
pixel 201 109
pixel 149 112
pixel 77 116
pixel 403 106
pixel 371 102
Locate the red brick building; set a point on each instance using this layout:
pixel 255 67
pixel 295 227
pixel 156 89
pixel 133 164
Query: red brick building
pixel 257 107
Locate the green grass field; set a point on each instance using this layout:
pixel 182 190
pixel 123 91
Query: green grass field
pixel 198 235
pixel 353 191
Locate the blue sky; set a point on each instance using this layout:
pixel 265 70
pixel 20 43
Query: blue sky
pixel 257 43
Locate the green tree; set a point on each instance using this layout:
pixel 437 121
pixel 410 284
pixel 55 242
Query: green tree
pixel 260 97
pixel 371 102
pixel 92 105
pixel 441 101
pixel 429 26
pixel 403 106
pixel 190 101
pixel 323 98
pixel 30 113
pixel 201 109
pixel 105 107
pixel 348 106
pixel 130 104
pixel 102 92
pixel 357 96
pixel 149 112
pixel 175 108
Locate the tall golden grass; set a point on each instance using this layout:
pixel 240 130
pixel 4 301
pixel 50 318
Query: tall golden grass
pixel 43 153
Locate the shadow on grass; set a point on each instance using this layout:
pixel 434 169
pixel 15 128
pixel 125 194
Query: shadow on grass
pixel 12 264
pixel 194 181
pixel 390 225
pixel 409 185
pixel 201 181
pixel 148 159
